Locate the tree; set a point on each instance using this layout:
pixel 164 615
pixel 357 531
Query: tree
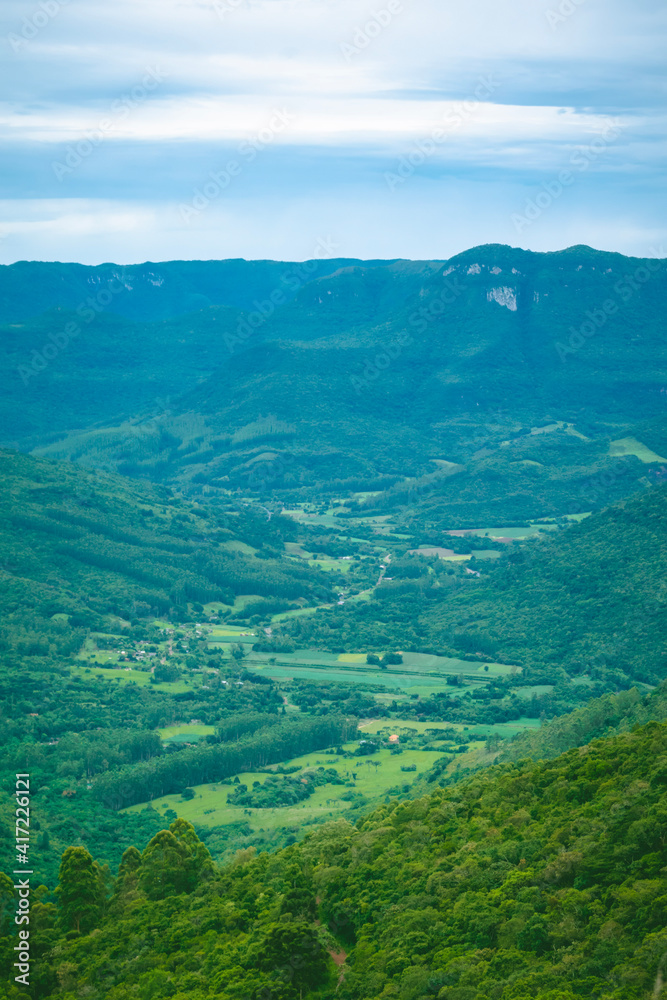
pixel 174 862
pixel 128 871
pixel 80 891
pixel 6 900
pixel 293 953
pixel 164 867
pixel 166 673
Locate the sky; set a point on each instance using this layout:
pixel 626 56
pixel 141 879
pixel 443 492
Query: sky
pixel 134 130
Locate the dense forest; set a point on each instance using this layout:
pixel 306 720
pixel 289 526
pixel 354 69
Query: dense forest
pixel 529 881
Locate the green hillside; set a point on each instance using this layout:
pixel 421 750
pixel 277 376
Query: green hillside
pixel 590 600
pixel 394 540
pixel 364 376
pixel 81 550
pixel 606 716
pixel 153 291
pixel 527 882
pixel 580 606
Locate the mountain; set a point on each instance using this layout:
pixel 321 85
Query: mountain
pixel 152 291
pixel 530 378
pixel 245 443
pixel 527 882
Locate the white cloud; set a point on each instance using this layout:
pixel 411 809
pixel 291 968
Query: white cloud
pixel 351 118
pixel 309 120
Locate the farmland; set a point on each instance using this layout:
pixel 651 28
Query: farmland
pixel 367 779
pixel 209 807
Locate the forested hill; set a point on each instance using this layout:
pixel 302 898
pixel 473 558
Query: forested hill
pixel 591 599
pixel 527 882
pixel 82 550
pixel 514 370
pixel 586 604
pixel 600 717
pixel 154 291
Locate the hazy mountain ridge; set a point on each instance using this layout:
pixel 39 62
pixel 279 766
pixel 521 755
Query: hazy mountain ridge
pixel 153 291
pixel 377 370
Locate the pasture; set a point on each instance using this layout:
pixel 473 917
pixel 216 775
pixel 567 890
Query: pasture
pixel 126 675
pixel 210 808
pixel 186 732
pixel 631 446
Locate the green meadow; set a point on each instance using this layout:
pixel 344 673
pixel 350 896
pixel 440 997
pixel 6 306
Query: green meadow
pixel 631 446
pixel 372 777
pixel 210 808
pixel 186 732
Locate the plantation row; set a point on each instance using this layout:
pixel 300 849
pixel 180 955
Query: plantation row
pixel 132 784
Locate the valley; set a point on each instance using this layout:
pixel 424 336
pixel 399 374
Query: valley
pixel 265 601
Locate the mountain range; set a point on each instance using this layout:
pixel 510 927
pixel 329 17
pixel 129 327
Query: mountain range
pixel 501 383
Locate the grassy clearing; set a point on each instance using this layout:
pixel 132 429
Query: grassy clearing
pixel 213 607
pixel 331 564
pixel 631 446
pixel 235 546
pixel 286 615
pixel 535 689
pixel 127 675
pixel 365 595
pixel 227 631
pixel 515 533
pixel 296 550
pixel 308 515
pixel 209 807
pixel 413 663
pixel 426 662
pixel 186 729
pixel 405 726
pixel 423 686
pixel 243 600
pixel 420 674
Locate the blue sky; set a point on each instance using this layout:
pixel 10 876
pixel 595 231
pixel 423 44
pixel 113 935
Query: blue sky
pixel 139 130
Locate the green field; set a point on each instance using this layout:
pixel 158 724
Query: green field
pixel 516 534
pixel 209 807
pixel 237 546
pixel 126 675
pixel 185 732
pixel 420 673
pixel 331 564
pixel 631 446
pixel 307 515
pixel 230 633
pixel 423 686
pixel 404 726
pixel 286 615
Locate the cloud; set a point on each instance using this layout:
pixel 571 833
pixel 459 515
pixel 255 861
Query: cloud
pixel 363 86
